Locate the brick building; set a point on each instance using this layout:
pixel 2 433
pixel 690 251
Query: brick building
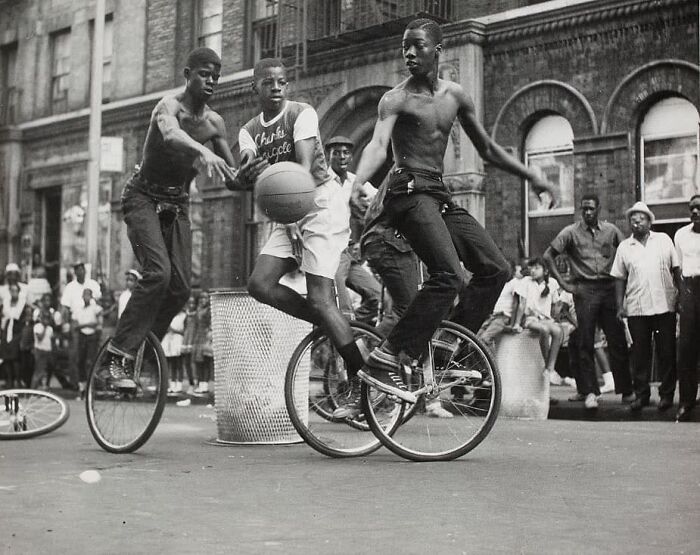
pixel 599 94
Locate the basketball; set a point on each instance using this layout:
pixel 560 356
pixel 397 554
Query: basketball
pixel 285 192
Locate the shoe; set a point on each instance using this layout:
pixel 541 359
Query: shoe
pixel 638 404
pixel 555 378
pixel 664 404
pixel 352 405
pixel 608 383
pixel 184 403
pixel 434 409
pixel 577 398
pixel 627 399
pixel 684 413
pixel 120 370
pixel 591 401
pixel 571 382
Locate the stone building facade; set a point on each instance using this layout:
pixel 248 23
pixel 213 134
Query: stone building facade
pixel 578 88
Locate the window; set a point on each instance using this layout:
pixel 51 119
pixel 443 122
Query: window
pixel 265 29
pixel 209 28
pixel 9 92
pixel 60 70
pixel 107 51
pixel 669 149
pixel 549 150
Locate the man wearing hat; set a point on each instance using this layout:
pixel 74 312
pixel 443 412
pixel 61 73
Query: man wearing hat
pixel 12 275
pixel 132 276
pixel 351 273
pixel 647 272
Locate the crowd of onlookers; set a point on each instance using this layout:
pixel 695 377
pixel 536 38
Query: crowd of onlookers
pixel 49 339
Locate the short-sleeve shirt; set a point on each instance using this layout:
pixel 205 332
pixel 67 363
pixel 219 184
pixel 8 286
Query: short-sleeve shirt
pixel 647 269
pixel 539 305
pixel 591 251
pixel 275 140
pixel 357 213
pixel 73 293
pixel 88 315
pixel 506 300
pixel 688 249
pixel 43 344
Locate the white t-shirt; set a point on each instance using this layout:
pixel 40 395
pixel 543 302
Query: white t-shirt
pixel 5 292
pixel 688 249
pixel 172 341
pixel 88 316
pixel 123 300
pixel 43 344
pixel 506 300
pixel 537 305
pixel 73 293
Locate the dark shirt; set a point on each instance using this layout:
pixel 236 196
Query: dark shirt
pixel 591 251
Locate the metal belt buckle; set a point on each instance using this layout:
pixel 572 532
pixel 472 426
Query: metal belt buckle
pixel 163 206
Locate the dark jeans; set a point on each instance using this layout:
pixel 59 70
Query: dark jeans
pixel 442 234
pixel 163 246
pixel 596 304
pixel 351 274
pixel 689 341
pixel 642 329
pixel 401 276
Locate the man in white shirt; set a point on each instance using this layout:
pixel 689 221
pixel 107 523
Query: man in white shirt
pixel 351 273
pixel 132 276
pixel 648 276
pixel 87 321
pixel 12 275
pixel 687 241
pixel 73 292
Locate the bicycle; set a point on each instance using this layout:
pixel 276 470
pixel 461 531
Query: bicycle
pixel 457 371
pixel 27 413
pixel 122 419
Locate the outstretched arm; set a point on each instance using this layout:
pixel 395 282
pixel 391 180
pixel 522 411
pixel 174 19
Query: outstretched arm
pixel 374 154
pixel 490 151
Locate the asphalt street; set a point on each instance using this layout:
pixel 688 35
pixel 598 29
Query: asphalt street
pixel 556 486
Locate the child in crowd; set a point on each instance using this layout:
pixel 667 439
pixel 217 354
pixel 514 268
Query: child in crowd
pixel 188 341
pixel 172 347
pixel 87 320
pixel 566 317
pixel 43 335
pixel 202 350
pixel 26 346
pixel 540 294
pixel 504 311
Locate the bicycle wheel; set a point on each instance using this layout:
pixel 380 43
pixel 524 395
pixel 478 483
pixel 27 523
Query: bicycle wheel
pixel 316 384
pixel 466 383
pixel 26 413
pixel 122 420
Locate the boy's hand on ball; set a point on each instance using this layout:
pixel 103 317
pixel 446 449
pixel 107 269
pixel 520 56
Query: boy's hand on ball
pixel 294 234
pixel 252 167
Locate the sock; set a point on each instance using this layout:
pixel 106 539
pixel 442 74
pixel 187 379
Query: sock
pixel 352 357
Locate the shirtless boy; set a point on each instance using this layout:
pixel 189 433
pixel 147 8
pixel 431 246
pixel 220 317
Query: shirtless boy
pixel 416 116
pixel 288 131
pixel 154 204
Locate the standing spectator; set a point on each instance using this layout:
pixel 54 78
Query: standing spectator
pixel 11 325
pixel 12 274
pixel 687 241
pixel 38 285
pixel 42 332
pixel 188 341
pixel 26 346
pixel 172 348
pixel 351 273
pixel 132 277
pixel 87 322
pixel 591 245
pixel 648 274
pixel 202 350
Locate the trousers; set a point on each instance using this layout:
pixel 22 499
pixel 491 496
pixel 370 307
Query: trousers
pixel 642 329
pixel 688 343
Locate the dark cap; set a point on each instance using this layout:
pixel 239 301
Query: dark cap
pixel 340 140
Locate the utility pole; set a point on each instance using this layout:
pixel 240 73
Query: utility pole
pixel 94 137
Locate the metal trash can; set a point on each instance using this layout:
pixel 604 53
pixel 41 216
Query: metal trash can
pixel 252 347
pixel 525 392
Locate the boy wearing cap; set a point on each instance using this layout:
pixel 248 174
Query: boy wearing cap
pixel 647 273
pixel 12 275
pixel 339 152
pixel 155 203
pixel 131 277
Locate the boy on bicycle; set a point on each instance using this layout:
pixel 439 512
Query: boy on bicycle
pixel 288 131
pixel 417 116
pixel 154 204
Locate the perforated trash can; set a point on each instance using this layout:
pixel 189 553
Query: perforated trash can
pixel 252 347
pixel 525 392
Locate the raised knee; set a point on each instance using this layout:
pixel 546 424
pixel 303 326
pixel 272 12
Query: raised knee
pixel 259 289
pixel 320 304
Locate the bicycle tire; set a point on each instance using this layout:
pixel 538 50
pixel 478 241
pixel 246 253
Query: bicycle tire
pixel 50 404
pixel 148 400
pixel 422 438
pixel 309 397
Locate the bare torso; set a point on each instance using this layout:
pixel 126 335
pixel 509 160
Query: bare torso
pixel 166 166
pixel 423 125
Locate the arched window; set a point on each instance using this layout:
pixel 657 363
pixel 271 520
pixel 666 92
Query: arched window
pixel 549 150
pixel 669 149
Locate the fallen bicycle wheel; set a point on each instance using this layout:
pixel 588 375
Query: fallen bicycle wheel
pixel 316 384
pixel 122 420
pixel 466 387
pixel 26 413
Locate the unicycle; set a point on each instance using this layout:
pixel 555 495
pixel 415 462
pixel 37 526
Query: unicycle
pixel 121 420
pixel 316 384
pixel 456 371
pixel 26 413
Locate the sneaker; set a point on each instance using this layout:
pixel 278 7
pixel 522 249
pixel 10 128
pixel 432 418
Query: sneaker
pixel 434 409
pixel 555 378
pixel 352 406
pixel 627 399
pixel 388 381
pixel 591 401
pixel 577 398
pixel 571 382
pixel 121 370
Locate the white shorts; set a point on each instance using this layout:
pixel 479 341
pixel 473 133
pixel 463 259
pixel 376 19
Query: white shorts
pixel 325 230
